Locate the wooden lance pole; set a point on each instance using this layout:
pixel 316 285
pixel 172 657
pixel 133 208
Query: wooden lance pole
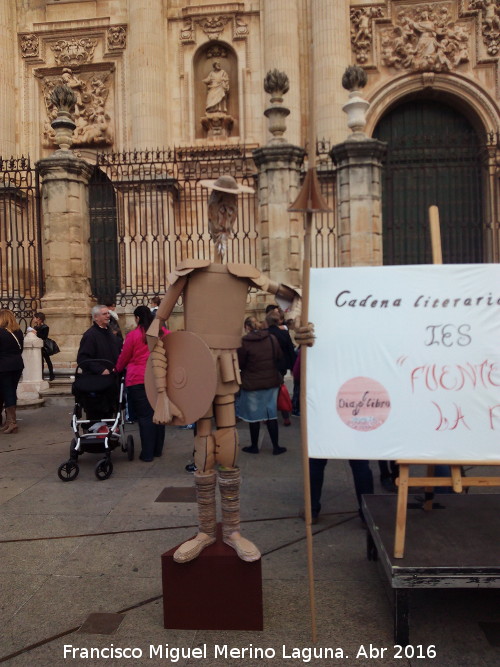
pixel 308 202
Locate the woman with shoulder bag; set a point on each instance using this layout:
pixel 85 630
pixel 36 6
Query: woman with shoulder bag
pixel 258 357
pixel 11 366
pixel 42 331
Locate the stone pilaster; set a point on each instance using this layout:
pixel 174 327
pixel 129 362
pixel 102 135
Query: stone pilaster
pixel 281 50
pixel 359 201
pixel 67 300
pixel 281 232
pixel 7 79
pixel 147 61
pixel 332 54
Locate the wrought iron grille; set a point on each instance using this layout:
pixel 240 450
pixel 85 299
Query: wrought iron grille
pixel 324 240
pixel 21 278
pixel 445 170
pixel 161 213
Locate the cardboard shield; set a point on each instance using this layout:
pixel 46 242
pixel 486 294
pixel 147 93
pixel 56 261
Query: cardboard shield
pixel 191 376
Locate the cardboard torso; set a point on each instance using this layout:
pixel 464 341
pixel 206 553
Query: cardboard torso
pixel 214 306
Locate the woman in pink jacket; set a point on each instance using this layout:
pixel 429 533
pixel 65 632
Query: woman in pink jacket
pixel 133 358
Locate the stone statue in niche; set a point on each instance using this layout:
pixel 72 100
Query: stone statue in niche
pixel 217 122
pixel 425 41
pixel 93 122
pixel 217 83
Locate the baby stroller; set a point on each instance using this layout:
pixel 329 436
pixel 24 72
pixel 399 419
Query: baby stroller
pixel 98 419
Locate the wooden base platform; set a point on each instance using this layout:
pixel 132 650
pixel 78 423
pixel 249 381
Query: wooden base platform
pixel 454 545
pixel 216 591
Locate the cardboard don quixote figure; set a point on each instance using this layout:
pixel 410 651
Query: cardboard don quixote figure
pixel 193 375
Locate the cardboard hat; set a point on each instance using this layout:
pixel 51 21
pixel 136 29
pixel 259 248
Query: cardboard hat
pixel 226 183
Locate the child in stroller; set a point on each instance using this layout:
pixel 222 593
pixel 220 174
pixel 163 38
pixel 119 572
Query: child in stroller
pixel 98 419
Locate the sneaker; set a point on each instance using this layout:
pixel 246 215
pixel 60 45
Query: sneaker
pixel 186 426
pixel 286 422
pixel 190 467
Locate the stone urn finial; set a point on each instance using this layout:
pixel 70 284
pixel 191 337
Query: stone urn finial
pixel 276 84
pixel 64 99
pixel 353 80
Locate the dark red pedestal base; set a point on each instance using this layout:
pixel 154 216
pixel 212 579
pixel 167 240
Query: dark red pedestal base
pixel 216 591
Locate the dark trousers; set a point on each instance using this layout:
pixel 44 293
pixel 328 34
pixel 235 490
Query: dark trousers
pixel 8 387
pixel 152 435
pixel 361 473
pixel 46 358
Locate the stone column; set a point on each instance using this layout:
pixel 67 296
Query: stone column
pixel 279 164
pixel 359 168
pixel 331 55
pixel 147 60
pixel 67 299
pixel 359 201
pixel 280 37
pixel 8 59
pixel 28 390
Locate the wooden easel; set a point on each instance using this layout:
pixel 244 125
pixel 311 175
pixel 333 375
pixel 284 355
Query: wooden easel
pixel 455 480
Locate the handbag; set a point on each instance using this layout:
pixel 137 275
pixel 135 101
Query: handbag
pixel 284 400
pixel 50 346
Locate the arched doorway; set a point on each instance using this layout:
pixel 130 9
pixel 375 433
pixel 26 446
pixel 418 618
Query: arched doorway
pixel 105 267
pixel 434 158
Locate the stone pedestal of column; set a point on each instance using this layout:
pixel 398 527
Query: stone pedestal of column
pixel 359 168
pixel 281 231
pixel 28 389
pixel 67 300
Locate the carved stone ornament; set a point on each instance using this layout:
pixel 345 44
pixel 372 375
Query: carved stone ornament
pixel 362 31
pixel 490 23
pixel 187 31
pixel 117 38
pixel 213 26
pixel 74 51
pixel 240 28
pixel 425 39
pixel 30 45
pixel 92 121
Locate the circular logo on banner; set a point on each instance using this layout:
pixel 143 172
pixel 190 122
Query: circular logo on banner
pixel 363 404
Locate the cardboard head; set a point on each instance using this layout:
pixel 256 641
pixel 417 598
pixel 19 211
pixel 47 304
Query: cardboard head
pixel 226 183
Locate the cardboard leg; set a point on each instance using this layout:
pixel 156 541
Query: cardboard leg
pixel 216 591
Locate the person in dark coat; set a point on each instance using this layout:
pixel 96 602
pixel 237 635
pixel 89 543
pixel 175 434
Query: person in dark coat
pixel 258 358
pixel 42 331
pixel 11 366
pixel 98 342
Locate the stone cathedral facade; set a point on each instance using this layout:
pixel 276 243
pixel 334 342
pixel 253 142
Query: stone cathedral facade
pixel 174 74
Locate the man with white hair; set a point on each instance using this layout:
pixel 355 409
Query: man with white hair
pixel 98 342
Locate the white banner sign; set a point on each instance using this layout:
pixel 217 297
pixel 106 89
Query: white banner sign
pixel 406 363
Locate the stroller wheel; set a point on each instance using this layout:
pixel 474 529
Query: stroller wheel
pixel 103 469
pixel 68 471
pixel 130 448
